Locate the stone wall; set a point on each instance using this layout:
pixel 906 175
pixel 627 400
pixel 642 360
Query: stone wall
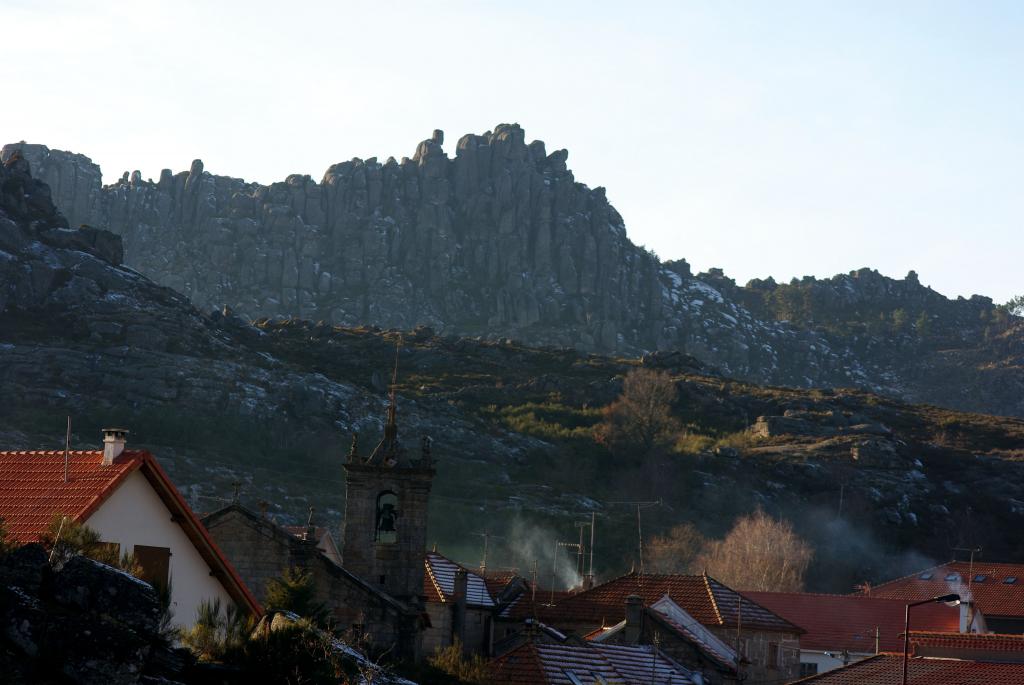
pixel 260 551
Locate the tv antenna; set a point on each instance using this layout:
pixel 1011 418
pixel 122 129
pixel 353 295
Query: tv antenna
pixel 639 527
pixel 554 564
pixel 487 536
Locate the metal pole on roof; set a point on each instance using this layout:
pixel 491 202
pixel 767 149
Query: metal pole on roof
pixel 591 574
pixel 67 449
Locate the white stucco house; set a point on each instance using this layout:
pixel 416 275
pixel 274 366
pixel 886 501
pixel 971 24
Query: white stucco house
pixel 127 498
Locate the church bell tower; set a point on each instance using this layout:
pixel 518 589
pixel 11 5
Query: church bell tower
pixel 385 528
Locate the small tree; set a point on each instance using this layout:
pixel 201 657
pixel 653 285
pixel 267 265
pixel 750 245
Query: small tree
pixel 295 591
pixel 65 537
pixel 759 553
pixel 452 661
pixel 676 551
pixel 1015 305
pixel 641 417
pixel 219 632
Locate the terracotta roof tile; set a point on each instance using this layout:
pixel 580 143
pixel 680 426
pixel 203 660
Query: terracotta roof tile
pixel 997 589
pixel 886 669
pixel 703 597
pixel 837 622
pixel 974 642
pixel 32 487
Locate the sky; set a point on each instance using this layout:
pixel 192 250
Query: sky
pixel 774 138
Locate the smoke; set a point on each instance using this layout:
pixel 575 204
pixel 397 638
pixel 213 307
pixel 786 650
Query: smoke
pixel 847 554
pixel 556 565
pixel 959 587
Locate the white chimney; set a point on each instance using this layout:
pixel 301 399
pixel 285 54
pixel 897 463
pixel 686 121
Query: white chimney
pixel 113 444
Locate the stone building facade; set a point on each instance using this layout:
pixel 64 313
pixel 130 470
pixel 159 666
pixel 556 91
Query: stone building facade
pixel 262 550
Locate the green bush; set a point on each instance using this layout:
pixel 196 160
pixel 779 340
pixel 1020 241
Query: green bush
pixel 693 443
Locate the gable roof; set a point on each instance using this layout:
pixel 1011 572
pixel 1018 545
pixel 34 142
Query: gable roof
pixel 703 597
pixel 673 617
pixel 837 622
pixel 996 589
pixel 886 669
pixel 236 508
pixel 33 489
pixel 558 663
pixel 439 582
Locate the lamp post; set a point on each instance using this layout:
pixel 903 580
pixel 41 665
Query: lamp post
pixel 952 600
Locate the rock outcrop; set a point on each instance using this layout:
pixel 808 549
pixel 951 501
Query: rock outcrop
pixel 499 240
pixel 80 621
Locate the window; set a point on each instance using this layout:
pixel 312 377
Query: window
pixel 155 563
pixel 1010 580
pixel 387 517
pixel 953 578
pixel 807 669
pixel 926 576
pixel 773 655
pixel 980 578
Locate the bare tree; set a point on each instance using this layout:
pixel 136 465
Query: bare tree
pixel 759 553
pixel 641 417
pixel 676 551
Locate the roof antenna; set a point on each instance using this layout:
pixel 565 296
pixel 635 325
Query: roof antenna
pixel 391 425
pixel 67 449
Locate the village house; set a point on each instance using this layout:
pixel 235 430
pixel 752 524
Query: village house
pixel 992 594
pixel 767 645
pixel 938 659
pixel 666 625
pixel 128 499
pixel 842 629
pixel 463 604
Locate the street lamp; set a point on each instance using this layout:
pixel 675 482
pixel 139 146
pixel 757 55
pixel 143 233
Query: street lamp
pixel 952 600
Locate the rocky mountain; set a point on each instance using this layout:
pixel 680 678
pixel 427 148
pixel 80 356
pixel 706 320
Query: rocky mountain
pixel 501 241
pixel 263 412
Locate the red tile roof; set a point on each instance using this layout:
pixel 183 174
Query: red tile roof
pixel 703 597
pixel 997 589
pixel 33 490
pixel 838 622
pixel 972 642
pixel 886 669
pixel 535 664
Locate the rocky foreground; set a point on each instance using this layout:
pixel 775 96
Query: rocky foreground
pixel 500 240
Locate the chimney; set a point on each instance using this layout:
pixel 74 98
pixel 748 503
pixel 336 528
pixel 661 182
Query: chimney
pixel 459 606
pixel 634 614
pixel 967 616
pixel 113 444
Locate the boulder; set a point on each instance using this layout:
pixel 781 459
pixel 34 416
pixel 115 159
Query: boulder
pixel 90 586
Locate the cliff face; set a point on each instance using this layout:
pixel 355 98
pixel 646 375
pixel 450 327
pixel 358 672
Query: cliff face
pixel 267 409
pixel 499 240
